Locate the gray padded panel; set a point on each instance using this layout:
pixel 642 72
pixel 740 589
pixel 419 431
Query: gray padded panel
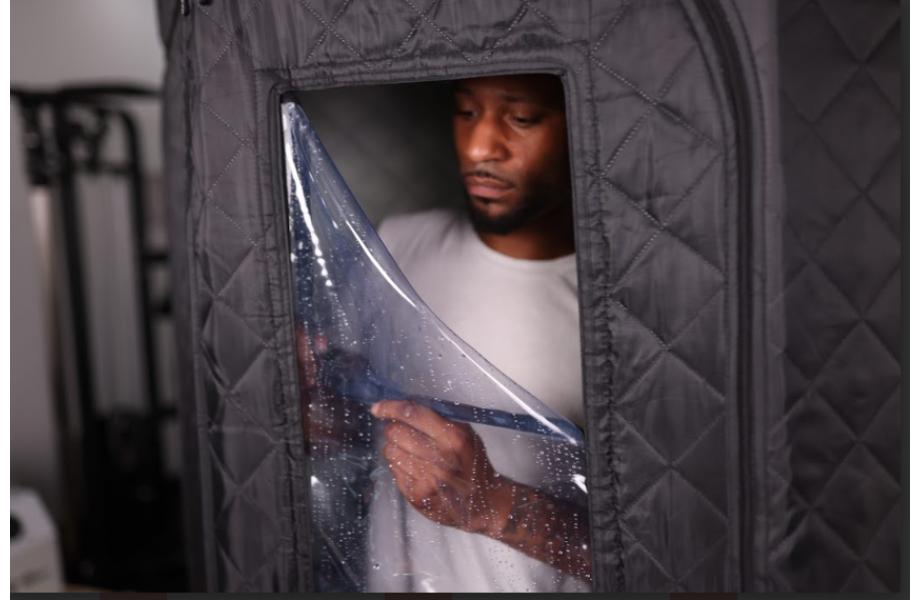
pixel 840 297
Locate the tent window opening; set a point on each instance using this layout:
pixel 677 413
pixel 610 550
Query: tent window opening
pixel 439 354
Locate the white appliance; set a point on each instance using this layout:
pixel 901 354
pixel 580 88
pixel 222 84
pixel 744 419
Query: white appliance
pixel 35 559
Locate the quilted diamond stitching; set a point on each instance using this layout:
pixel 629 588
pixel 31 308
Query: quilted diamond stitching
pixel 636 544
pixel 661 226
pixel 645 96
pixel 521 11
pixel 893 278
pixel 249 583
pixel 249 255
pixel 872 17
pixel 242 140
pixel 655 406
pixel 244 581
pixel 717 546
pixel 228 398
pixel 880 190
pixel 830 154
pixel 885 518
pixel 330 27
pixel 441 32
pixel 651 100
pixel 820 529
pixel 813 378
pixel 211 202
pixel 237 487
pixel 857 437
pixel 239 490
pixel 683 361
pixel 835 536
pixel 671 563
pixel 810 43
pixel 671 465
pixel 234 38
pixel 432 8
pixel 228 560
pixel 666 350
pixel 838 293
pixel 812 263
pixel 845 255
pixel 848 114
pixel 669 113
pixel 882 67
pixel 659 97
pixel 884 431
pixel 249 326
pixel 616 20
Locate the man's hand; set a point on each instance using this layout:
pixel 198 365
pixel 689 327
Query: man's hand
pixel 321 420
pixel 442 469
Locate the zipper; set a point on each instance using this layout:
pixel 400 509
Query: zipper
pixel 727 48
pixel 185 6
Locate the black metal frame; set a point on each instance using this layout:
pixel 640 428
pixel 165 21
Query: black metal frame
pixel 108 506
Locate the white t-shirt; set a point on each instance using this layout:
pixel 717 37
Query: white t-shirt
pixel 522 316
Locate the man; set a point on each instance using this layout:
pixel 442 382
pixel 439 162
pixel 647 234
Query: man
pixel 503 277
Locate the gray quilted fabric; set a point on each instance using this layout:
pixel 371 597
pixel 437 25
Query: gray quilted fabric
pixel 840 338
pixel 653 145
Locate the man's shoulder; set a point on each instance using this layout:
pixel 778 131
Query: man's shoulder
pixel 412 231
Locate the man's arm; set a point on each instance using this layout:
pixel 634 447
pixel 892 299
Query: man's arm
pixel 442 469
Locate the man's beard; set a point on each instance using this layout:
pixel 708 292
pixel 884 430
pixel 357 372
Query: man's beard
pixel 509 221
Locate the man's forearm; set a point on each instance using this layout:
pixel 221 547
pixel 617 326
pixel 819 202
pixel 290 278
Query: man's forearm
pixel 442 469
pixel 546 528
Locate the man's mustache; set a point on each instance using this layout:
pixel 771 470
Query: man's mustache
pixel 485 173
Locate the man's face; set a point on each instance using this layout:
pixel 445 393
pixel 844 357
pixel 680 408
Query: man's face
pixel 512 149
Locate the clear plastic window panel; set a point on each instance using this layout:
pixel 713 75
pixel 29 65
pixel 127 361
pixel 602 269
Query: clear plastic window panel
pixel 430 470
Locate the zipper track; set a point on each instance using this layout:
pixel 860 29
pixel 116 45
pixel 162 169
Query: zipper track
pixel 716 19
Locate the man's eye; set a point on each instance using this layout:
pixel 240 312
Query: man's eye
pixel 525 121
pixel 466 114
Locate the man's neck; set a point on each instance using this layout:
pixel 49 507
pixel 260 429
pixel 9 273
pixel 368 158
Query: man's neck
pixel 548 236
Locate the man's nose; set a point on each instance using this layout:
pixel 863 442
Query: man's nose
pixel 485 143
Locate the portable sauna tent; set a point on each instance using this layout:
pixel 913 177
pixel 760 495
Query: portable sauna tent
pixel 736 175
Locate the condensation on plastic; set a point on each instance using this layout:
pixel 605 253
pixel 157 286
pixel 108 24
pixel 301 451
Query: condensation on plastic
pixel 364 335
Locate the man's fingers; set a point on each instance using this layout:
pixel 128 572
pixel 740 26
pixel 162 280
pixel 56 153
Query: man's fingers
pixel 446 434
pixel 408 462
pixel 415 477
pixel 414 442
pixel 404 479
pixel 420 417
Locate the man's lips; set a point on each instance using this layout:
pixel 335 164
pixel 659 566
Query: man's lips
pixel 485 187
